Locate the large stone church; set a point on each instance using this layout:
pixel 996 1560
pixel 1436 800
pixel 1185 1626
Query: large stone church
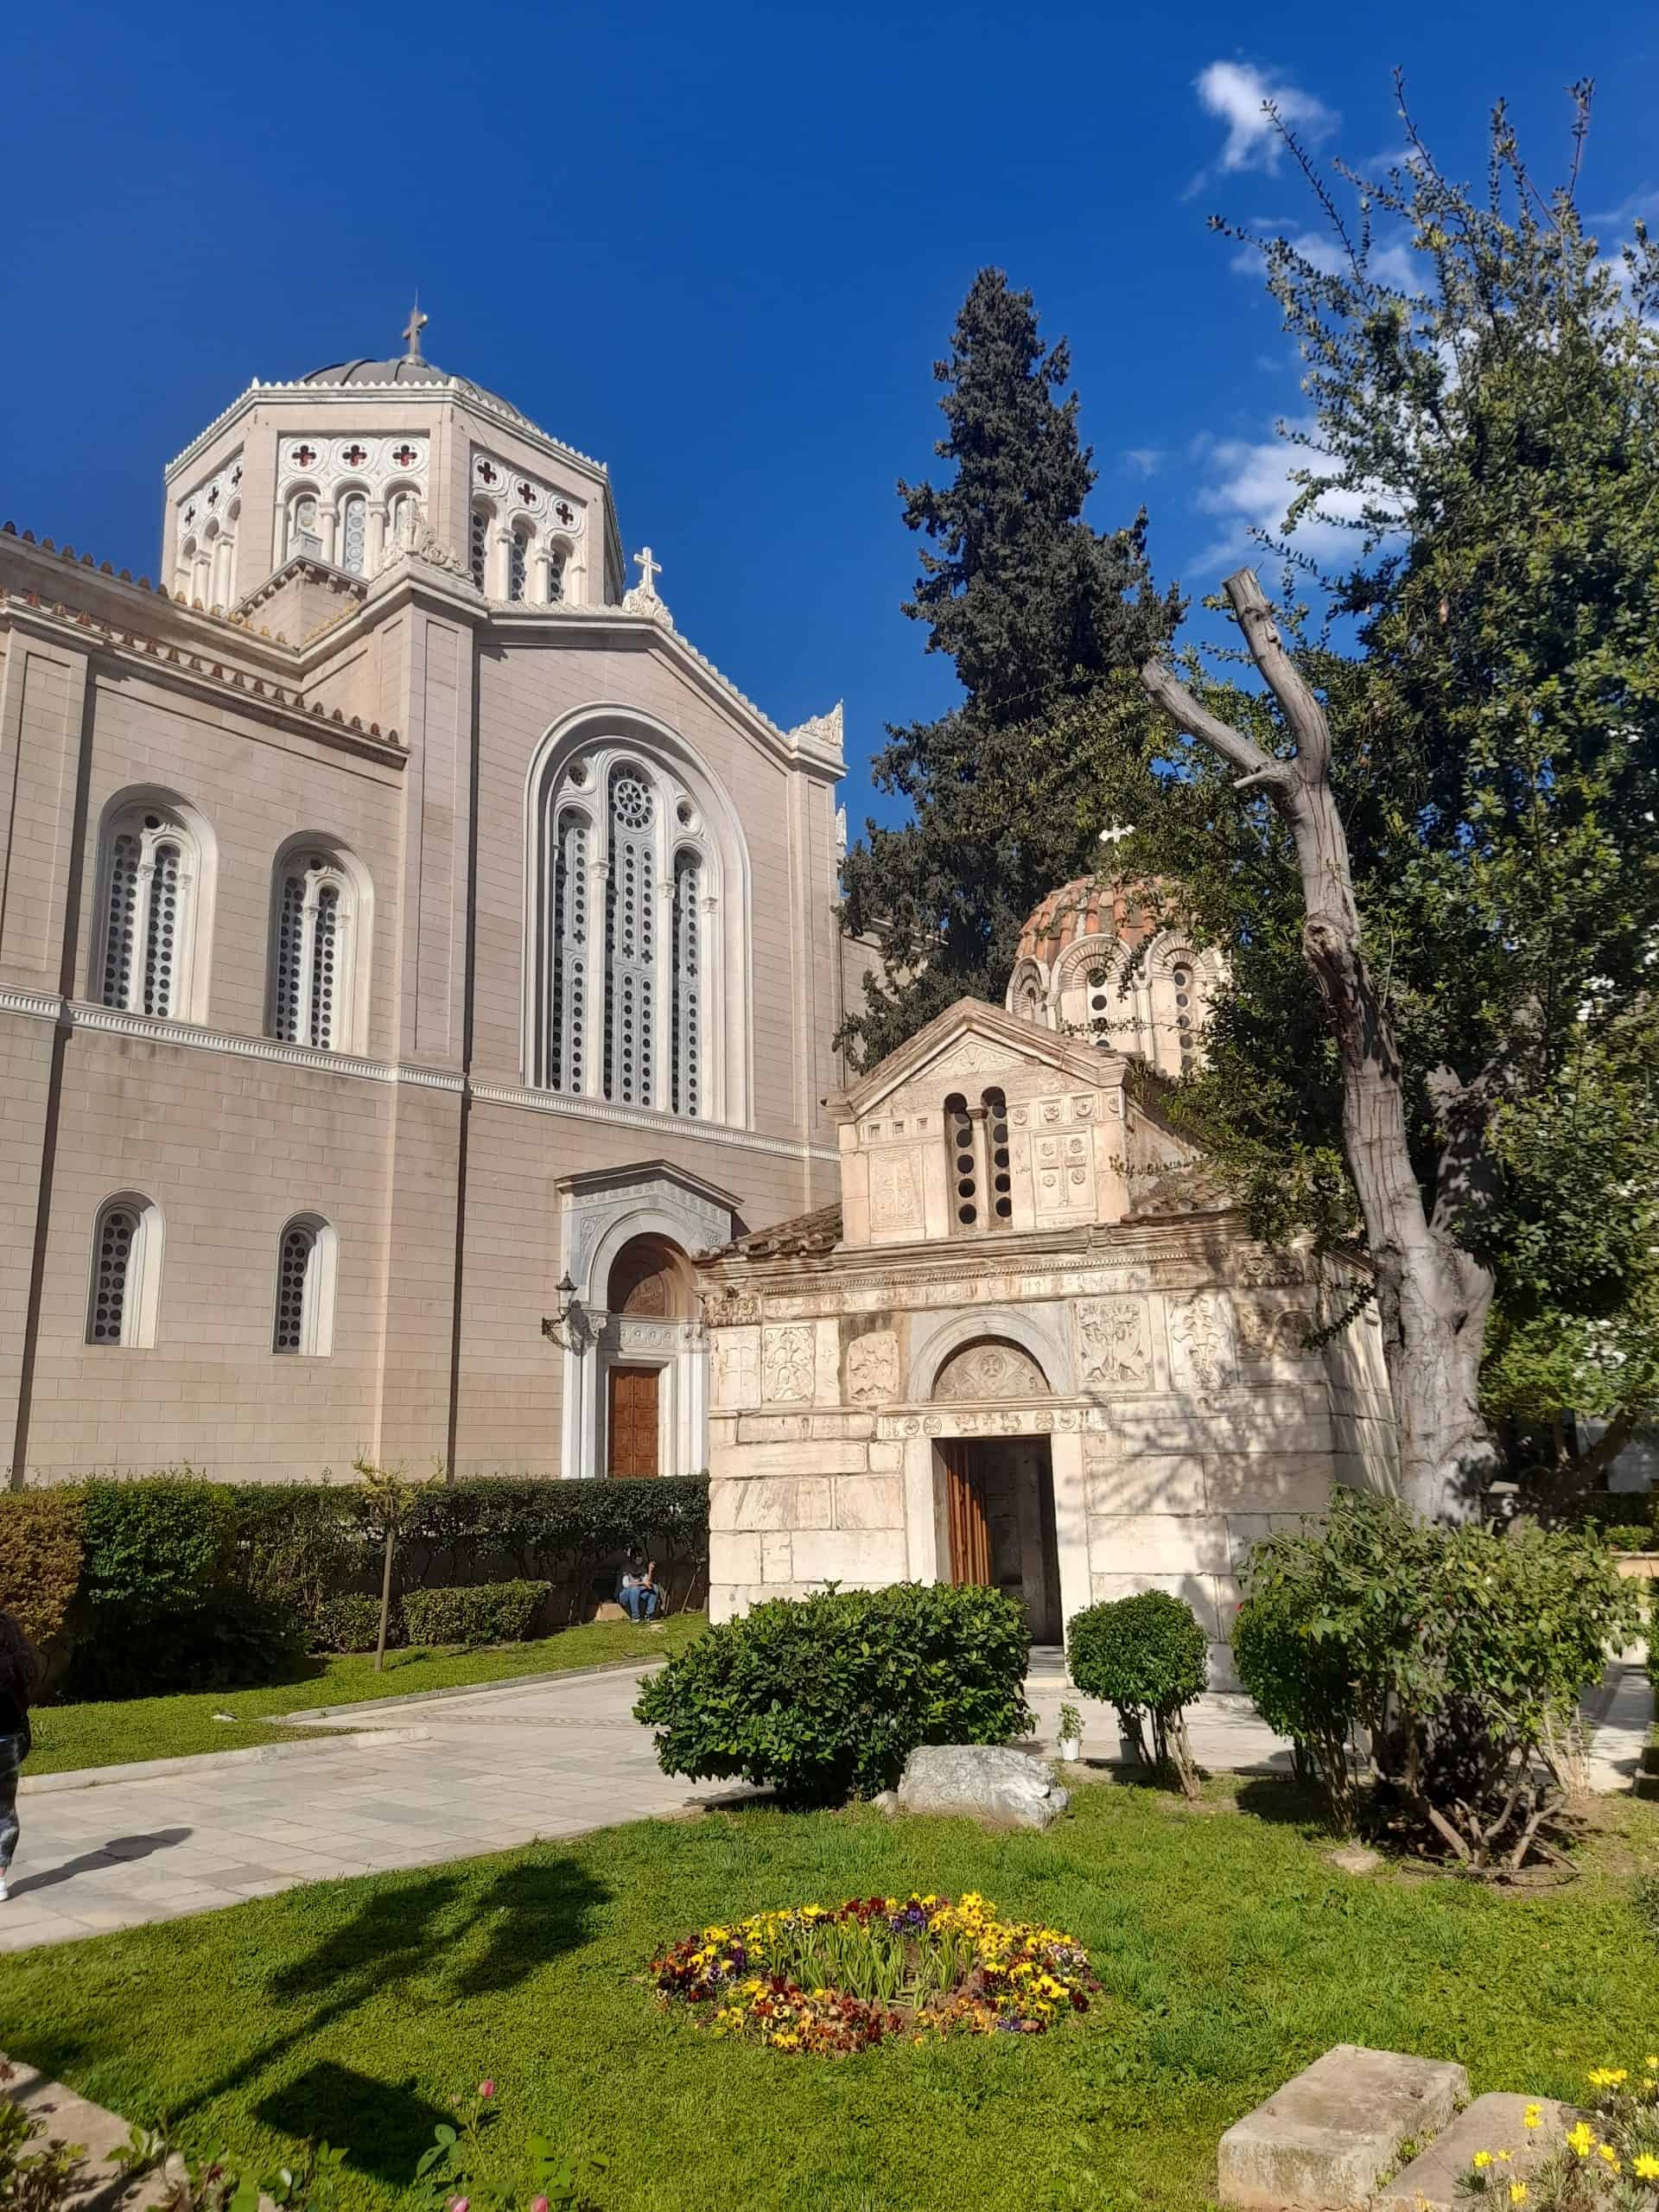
pixel 419 972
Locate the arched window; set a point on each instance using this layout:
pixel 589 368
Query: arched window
pixel 999 1176
pixel 635 975
pixel 977 1163
pixel 519 565
pixel 304 534
pixel 686 1055
pixel 963 1164
pixel 353 533
pixel 630 940
pixel 568 1013
pixel 317 928
pixel 557 557
pixel 186 570
pixel 305 1288
pixel 149 868
pixel 479 546
pixel 126 1272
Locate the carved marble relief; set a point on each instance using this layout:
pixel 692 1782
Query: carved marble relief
pixel 895 1191
pixel 720 1308
pixel 1115 1338
pixel 872 1368
pixel 1201 1344
pixel 991 1370
pixel 786 1362
pixel 736 1357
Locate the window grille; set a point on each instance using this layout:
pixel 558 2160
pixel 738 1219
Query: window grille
pixel 354 532
pixel 142 964
pixel 310 970
pixel 997 1146
pixel 480 546
pixel 630 942
pixel 117 1232
pixel 299 1250
pixel 964 1168
pixel 305 1289
pixel 122 1298
pixel 517 565
pixel 568 1012
pixel 684 1085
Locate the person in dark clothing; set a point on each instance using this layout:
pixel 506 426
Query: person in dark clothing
pixel 19 1674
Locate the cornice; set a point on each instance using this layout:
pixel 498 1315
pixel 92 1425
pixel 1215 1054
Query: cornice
pixel 453 392
pixel 79 631
pixel 122 585
pixel 643 1117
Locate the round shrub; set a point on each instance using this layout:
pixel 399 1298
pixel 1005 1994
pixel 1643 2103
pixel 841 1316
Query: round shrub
pixel 1147 1657
pixel 352 1623
pixel 820 1698
pixel 40 1553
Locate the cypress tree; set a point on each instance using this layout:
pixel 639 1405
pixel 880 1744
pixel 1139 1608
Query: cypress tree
pixel 1037 610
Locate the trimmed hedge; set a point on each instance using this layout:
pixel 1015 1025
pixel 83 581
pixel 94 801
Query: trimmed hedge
pixel 478 1613
pixel 352 1623
pixel 825 1696
pixel 40 1557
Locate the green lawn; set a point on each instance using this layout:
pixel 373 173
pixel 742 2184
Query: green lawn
pixel 112 1732
pixel 1230 1950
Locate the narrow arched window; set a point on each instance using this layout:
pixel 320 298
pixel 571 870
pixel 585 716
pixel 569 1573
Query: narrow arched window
pixel 124 1294
pixel 314 932
pixel 630 940
pixel 479 547
pixel 685 1061
pixel 567 1012
pixel 519 565
pixel 557 558
pixel 354 532
pixel 962 1165
pixel 149 871
pixel 999 1174
pixel 304 531
pixel 305 1288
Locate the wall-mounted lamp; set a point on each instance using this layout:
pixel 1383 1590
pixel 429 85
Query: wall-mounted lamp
pixel 569 1317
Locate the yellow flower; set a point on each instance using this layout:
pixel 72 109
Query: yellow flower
pixel 1482 2160
pixel 1532 2117
pixel 1517 2192
pixel 1505 2157
pixel 1607 2151
pixel 1646 2166
pixel 1580 2141
pixel 1608 2077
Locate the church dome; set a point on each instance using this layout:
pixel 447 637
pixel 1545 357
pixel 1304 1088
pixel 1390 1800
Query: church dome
pixel 1087 907
pixel 410 369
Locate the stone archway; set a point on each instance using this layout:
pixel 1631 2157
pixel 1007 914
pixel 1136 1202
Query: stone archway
pixel 996 1493
pixel 990 1367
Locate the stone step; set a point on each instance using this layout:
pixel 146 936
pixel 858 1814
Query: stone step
pixel 1494 2122
pixel 1327 2137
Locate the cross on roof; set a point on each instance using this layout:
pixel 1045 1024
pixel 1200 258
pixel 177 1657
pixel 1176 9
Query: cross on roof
pixel 650 568
pixel 412 330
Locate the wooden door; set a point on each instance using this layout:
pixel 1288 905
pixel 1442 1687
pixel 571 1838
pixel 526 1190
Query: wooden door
pixel 970 1529
pixel 633 1426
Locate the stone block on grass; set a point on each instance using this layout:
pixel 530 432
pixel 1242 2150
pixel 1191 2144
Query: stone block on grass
pixel 1327 2139
pixel 1494 2123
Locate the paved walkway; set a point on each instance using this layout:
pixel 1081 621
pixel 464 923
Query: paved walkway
pixel 450 1778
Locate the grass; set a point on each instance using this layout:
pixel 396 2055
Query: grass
pixel 1231 1953
pixel 114 1730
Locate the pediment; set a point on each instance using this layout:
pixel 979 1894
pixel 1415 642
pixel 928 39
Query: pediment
pixel 975 1038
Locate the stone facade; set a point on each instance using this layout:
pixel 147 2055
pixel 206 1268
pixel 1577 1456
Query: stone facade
pixel 1032 1326
pixel 304 1121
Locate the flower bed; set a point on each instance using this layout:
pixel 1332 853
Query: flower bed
pixel 1612 2166
pixel 834 1979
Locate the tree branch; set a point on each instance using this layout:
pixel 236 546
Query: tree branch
pixel 1238 751
pixel 1302 709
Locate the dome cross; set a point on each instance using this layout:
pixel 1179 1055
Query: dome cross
pixel 412 330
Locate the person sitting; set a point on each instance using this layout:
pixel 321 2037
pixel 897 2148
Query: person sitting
pixel 639 1590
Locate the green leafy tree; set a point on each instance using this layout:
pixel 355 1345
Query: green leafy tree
pixel 1036 609
pixel 1426 833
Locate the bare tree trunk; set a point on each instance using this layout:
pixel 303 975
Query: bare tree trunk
pixel 1433 1298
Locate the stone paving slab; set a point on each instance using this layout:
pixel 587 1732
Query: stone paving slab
pixel 1327 2139
pixel 1497 2123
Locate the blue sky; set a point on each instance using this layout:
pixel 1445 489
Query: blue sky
pixel 720 248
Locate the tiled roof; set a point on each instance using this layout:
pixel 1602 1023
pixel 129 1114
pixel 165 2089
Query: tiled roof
pixel 1088 906
pixel 804 1236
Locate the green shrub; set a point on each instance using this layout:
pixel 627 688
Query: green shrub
pixel 1631 1536
pixel 154 1544
pixel 481 1613
pixel 352 1623
pixel 821 1697
pixel 40 1553
pixel 1146 1656
pixel 1462 1651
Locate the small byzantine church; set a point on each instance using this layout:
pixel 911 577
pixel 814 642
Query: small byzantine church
pixel 419 968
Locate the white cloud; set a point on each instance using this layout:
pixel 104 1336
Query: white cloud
pixel 1389 264
pixel 1238 93
pixel 1145 461
pixel 1248 487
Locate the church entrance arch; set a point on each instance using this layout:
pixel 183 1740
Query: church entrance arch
pixel 648 1300
pixel 994 1494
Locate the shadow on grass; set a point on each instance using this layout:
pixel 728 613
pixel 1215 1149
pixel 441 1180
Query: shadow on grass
pixel 1285 1802
pixel 382 2127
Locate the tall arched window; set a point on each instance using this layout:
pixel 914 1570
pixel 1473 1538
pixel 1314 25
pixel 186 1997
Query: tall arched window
pixel 317 927
pixel 637 968
pixel 558 555
pixel 305 1288
pixel 685 1056
pixel 479 546
pixel 150 870
pixel 124 1294
pixel 353 537
pixel 630 940
pixel 568 1012
pixel 519 565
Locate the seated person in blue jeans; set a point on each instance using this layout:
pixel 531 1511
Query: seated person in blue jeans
pixel 638 1589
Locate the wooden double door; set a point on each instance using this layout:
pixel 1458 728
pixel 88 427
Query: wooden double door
pixel 632 1425
pixel 1000 1510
